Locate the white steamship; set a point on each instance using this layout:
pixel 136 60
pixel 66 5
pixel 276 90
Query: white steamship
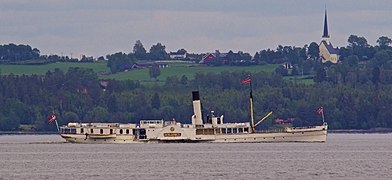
pixel 171 131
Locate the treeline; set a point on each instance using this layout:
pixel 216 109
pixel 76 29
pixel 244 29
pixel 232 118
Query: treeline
pixel 78 96
pixel 26 55
pixel 302 60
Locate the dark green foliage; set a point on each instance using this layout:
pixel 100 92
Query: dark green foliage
pixel 120 61
pixel 356 93
pixel 384 42
pixel 155 101
pixel 282 71
pixel 31 99
pixel 313 51
pixel 139 50
pixel 154 71
pixel 158 52
pixel 12 52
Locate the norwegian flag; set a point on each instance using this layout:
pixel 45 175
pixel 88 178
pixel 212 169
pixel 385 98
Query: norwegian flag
pixel 52 118
pixel 246 80
pixel 320 111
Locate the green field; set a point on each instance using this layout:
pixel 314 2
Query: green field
pixel 307 79
pixel 185 69
pixel 174 69
pixel 42 69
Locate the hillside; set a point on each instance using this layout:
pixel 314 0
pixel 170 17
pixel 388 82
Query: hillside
pixel 174 69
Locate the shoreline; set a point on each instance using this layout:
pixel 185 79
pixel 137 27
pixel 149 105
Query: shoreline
pixel 361 131
pixel 25 133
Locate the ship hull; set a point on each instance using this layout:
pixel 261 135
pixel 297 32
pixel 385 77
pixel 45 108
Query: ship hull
pixel 81 138
pixel 310 136
pixel 307 136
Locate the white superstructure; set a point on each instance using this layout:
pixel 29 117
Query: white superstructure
pixel 213 130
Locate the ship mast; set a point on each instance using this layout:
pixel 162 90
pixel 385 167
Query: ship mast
pixel 252 122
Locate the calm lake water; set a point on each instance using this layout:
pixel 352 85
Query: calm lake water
pixel 343 156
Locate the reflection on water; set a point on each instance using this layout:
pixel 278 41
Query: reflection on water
pixel 343 156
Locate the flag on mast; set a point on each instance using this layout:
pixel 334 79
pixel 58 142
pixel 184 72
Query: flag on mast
pixel 52 118
pixel 246 80
pixel 320 111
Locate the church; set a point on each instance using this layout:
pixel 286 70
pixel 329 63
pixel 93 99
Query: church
pixel 327 52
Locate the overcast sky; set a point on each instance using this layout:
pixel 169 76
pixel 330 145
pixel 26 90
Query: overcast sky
pixel 101 27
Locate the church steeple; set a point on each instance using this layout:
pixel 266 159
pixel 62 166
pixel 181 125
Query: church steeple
pixel 325 34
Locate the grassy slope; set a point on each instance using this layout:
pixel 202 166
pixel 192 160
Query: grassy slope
pixel 174 69
pixel 187 70
pixel 42 69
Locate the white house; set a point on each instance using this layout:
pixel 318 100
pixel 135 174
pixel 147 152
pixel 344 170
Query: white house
pixel 177 55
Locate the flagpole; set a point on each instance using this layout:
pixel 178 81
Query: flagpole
pixel 251 108
pixel 55 119
pixel 58 129
pixel 322 115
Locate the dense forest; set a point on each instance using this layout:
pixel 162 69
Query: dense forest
pixel 355 94
pixel 78 96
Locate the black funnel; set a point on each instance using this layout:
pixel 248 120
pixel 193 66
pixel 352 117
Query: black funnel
pixel 195 95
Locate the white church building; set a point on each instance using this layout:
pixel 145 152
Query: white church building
pixel 327 52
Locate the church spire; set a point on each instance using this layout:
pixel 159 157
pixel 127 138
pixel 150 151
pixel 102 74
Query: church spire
pixel 325 34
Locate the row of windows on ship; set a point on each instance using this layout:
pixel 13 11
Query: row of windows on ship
pixel 128 131
pixel 92 131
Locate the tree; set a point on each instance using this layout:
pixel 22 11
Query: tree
pixel 155 101
pixel 376 75
pixel 356 41
pixel 119 61
pixel 384 42
pixel 181 51
pixel 70 117
pixel 13 52
pixel 313 51
pixel 381 57
pixel 154 71
pixel 352 60
pixel 158 52
pixel 257 58
pixel 112 103
pixel 294 71
pixel 321 75
pixel 360 47
pixel 281 70
pixel 139 50
pixel 98 114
